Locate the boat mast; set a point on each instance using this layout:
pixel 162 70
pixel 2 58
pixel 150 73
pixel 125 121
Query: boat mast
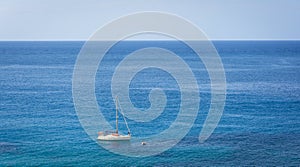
pixel 117 114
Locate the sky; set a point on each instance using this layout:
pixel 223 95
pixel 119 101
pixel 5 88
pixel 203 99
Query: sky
pixel 219 19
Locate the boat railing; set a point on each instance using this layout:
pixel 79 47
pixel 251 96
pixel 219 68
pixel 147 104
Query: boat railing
pixel 106 133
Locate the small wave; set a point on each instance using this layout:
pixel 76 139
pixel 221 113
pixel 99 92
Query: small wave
pixel 18 66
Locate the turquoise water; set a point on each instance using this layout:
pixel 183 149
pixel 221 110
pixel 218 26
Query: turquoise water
pixel 260 124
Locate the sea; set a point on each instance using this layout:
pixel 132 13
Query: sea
pixel 260 124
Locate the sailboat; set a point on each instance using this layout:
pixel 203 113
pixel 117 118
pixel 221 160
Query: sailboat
pixel 115 136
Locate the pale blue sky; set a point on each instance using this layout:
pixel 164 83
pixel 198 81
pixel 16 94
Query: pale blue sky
pixel 219 19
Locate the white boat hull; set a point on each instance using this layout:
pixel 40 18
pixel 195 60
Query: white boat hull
pixel 111 137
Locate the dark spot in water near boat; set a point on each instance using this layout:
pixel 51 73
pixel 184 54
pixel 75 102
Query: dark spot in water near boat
pixel 6 147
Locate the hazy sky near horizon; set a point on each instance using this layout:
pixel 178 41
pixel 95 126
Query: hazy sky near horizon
pixel 219 19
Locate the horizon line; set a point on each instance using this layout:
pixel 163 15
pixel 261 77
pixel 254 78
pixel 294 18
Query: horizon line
pixel 84 40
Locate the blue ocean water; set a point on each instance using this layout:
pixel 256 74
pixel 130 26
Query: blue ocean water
pixel 260 124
